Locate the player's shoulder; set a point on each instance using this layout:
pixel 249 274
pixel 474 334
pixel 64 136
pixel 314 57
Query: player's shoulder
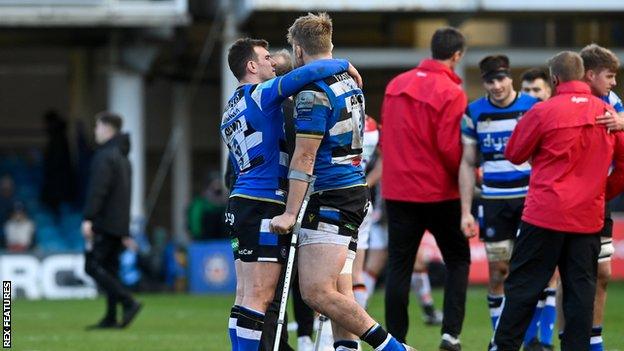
pixel 311 95
pixel 477 106
pixel 526 99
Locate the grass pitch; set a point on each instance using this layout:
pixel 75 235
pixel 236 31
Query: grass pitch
pixel 187 322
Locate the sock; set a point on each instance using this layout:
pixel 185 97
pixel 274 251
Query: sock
pixel 232 327
pixel 361 295
pixel 533 328
pixel 370 281
pixel 595 343
pixel 422 286
pixel 249 329
pixel 346 345
pixel 495 303
pixel 379 339
pixel 548 317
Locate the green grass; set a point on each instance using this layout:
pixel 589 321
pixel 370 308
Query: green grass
pixel 186 322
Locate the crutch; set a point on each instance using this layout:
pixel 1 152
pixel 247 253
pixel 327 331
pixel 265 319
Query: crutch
pixel 291 254
pixel 319 331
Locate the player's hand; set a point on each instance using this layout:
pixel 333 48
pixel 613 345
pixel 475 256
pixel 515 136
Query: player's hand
pixel 468 225
pixel 355 75
pixel 613 122
pixel 87 230
pixel 282 224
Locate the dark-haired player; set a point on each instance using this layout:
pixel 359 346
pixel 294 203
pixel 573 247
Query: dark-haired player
pixel 486 129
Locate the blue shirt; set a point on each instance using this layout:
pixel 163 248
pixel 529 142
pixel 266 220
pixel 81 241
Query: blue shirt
pixel 614 100
pixel 332 110
pixel 252 127
pixel 490 127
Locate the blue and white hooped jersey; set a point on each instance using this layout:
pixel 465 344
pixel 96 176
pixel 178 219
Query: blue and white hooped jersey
pixel 615 101
pixel 252 127
pixel 490 127
pixel 333 110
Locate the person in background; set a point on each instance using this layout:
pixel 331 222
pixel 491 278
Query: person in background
pixel 564 209
pixel 19 230
pixel 536 84
pixel 106 223
pixel 421 145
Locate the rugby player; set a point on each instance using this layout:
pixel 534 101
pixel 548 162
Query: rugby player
pixel 329 122
pixel 486 127
pixel 534 82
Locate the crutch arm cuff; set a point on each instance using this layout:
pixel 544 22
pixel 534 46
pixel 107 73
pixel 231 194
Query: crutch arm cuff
pixel 299 175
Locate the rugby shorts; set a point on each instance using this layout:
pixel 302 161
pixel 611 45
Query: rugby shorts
pixel 334 217
pixel 247 223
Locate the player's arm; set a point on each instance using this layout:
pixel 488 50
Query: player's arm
pixel 448 131
pixel 613 121
pixel 467 181
pixel 303 161
pixel 524 139
pixel 311 112
pixel 295 80
pixel 615 181
pixel 467 175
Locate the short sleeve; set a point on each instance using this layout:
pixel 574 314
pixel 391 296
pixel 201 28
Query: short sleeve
pixel 311 112
pixel 468 128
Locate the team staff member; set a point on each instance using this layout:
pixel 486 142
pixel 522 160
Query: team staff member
pixel 601 67
pixel 486 127
pixel 106 222
pixel 421 144
pixel 329 121
pixel 564 207
pixel 253 129
pixel 535 83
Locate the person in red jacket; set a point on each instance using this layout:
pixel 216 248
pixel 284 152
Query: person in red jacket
pixel 564 209
pixel 421 114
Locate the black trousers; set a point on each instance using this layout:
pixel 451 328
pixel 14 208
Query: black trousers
pixel 102 264
pixel 304 315
pixel 269 328
pixel 537 252
pixel 407 222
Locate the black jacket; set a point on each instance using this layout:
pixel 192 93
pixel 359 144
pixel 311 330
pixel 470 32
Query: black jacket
pixel 108 194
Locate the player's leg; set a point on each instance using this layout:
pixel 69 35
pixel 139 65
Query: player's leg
pixel 498 228
pixel 445 226
pixel 578 269
pixel 304 316
pixel 376 256
pixel 405 231
pixel 319 268
pixel 240 283
pixel 422 288
pixel 344 340
pixel 237 302
pixel 549 314
pixel 359 288
pixel 604 275
pixel 262 255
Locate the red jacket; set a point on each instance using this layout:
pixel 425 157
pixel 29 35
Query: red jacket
pixel 571 156
pixel 421 117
